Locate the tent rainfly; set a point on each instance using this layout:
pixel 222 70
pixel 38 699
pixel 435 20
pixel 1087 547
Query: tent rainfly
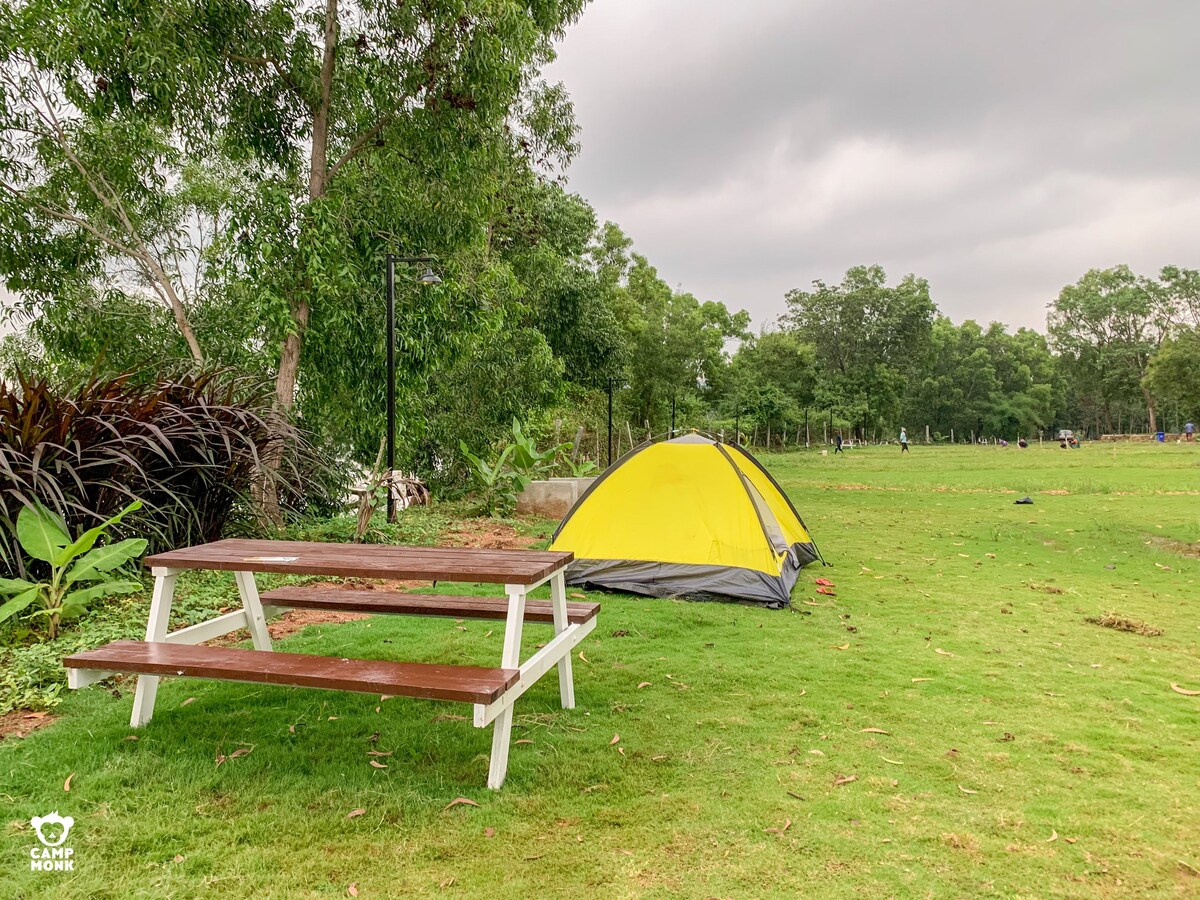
pixel 689 517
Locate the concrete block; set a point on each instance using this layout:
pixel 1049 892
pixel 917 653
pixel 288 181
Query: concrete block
pixel 552 498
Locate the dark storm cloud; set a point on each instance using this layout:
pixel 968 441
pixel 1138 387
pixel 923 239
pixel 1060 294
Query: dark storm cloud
pixel 999 149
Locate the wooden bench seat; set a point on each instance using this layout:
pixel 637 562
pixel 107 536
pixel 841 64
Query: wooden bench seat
pixel 396 602
pixel 468 684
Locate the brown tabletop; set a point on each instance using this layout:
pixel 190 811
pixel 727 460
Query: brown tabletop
pixel 367 561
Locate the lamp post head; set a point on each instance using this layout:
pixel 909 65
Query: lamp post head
pixel 429 277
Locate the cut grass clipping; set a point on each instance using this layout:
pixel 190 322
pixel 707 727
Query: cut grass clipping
pixel 1118 622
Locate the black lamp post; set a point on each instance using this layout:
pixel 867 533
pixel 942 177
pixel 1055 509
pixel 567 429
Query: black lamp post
pixel 426 277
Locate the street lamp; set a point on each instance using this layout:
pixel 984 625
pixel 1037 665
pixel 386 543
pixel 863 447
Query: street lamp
pixel 426 277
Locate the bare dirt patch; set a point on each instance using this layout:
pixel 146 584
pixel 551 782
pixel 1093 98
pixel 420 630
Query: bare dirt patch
pixel 1118 622
pixel 1180 547
pixel 484 534
pixel 20 722
pixel 298 619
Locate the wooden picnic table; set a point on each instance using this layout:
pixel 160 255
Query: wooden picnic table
pixel 493 691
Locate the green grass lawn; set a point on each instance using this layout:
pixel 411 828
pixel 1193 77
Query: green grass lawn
pixel 1026 752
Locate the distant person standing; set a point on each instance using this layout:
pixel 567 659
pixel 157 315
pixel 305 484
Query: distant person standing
pixel 903 440
pixel 837 444
pixel 1189 431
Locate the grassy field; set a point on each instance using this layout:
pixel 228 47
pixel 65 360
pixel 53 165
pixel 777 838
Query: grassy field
pixel 1021 751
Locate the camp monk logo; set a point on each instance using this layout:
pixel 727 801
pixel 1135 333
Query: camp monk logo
pixel 52 856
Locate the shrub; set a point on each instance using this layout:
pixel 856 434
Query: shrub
pixel 189 448
pixel 80 572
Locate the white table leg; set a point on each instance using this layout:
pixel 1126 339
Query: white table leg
pixel 502 727
pixel 255 620
pixel 156 630
pixel 558 600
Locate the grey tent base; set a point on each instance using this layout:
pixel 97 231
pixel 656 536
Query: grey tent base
pixel 692 582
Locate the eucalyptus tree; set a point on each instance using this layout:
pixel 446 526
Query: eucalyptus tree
pixel 1107 327
pixel 343 130
pixel 870 338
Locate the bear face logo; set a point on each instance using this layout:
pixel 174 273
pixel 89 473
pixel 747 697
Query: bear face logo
pixel 54 821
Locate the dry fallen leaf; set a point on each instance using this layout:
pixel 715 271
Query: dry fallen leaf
pixel 616 737
pixel 376 764
pixel 352 890
pixel 967 790
pixel 786 825
pixel 524 741
pixel 915 680
pixel 457 800
pixel 894 762
pixel 355 813
pixel 578 596
pixel 1181 690
pixel 873 731
pixel 187 701
pixel 178 858
pixel 643 684
pixel 489 832
pixel 380 752
pixel 132 737
pixel 241 751
pixel 1053 837
pixel 659 758
pixel 1070 840
pixel 941 651
pixel 844 779
pixel 67 783
pixel 582 657
pixel 842 647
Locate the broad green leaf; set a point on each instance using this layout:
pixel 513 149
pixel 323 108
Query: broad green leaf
pixel 18 603
pixel 105 559
pixel 88 539
pixel 14 586
pixel 84 596
pixel 40 533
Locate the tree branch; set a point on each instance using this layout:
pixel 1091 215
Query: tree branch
pixel 270 62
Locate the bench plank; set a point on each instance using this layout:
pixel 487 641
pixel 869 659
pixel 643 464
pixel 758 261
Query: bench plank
pixel 396 602
pixel 367 561
pixel 468 684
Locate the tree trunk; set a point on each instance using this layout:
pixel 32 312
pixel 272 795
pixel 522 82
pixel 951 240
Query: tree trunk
pixel 318 176
pixel 1150 411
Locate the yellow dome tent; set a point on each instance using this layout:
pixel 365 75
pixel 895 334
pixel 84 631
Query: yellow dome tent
pixel 689 517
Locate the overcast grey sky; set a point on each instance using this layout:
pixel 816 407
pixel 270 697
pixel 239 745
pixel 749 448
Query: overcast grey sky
pixel 999 149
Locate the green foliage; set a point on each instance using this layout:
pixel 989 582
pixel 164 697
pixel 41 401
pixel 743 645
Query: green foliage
pixel 188 449
pixel 79 571
pixel 870 340
pixel 499 483
pixel 516 464
pixel 1174 373
pixel 578 468
pixel 31 677
pixel 1106 327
